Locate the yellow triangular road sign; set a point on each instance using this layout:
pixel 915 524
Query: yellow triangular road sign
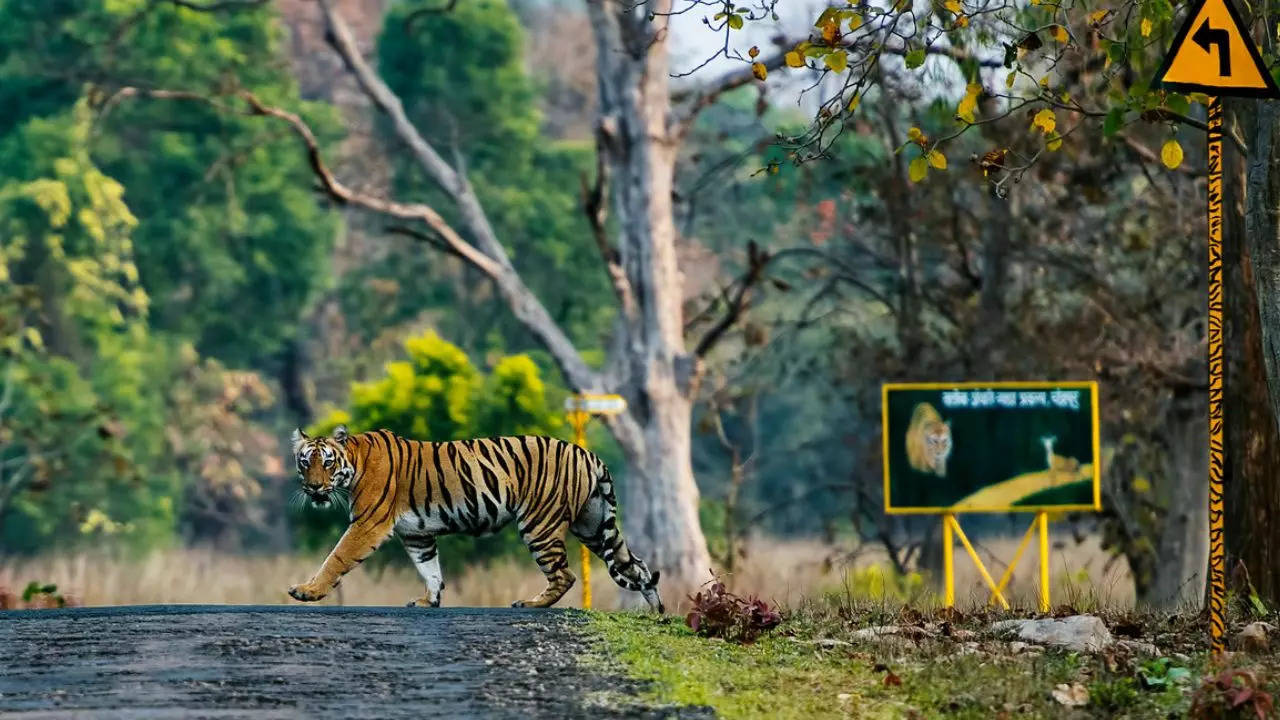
pixel 1214 54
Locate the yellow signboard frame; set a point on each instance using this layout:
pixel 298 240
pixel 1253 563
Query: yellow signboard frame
pixel 1090 385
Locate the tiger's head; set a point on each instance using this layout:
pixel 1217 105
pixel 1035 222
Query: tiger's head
pixel 322 464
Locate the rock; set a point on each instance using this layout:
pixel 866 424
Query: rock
pixel 1017 646
pixel 1073 695
pixel 829 642
pixel 1081 633
pixel 1137 647
pixel 879 631
pixel 1253 637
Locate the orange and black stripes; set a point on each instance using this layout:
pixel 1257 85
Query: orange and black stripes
pixel 420 490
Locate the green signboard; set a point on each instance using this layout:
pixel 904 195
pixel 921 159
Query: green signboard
pixel 990 447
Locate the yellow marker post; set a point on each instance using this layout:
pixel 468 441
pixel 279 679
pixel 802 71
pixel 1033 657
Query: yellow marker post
pixel 580 408
pixel 948 567
pixel 1213 53
pixel 579 418
pixel 1042 522
pixel 1217 546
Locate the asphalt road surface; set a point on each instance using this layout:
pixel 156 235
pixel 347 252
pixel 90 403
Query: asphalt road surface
pixel 319 662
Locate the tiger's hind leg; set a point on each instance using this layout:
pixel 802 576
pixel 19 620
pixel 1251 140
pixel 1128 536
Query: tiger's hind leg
pixel 597 528
pixel 547 545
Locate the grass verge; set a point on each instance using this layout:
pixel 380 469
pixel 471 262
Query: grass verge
pixel 815 667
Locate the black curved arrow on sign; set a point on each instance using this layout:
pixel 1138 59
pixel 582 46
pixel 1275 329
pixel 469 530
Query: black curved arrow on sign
pixel 1206 36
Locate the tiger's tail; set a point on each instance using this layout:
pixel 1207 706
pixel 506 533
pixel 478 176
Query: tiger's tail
pixel 597 528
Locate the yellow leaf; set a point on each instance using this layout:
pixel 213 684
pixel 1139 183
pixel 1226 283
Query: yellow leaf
pixel 753 52
pixel 853 104
pixel 938 160
pixel 962 21
pixel 1055 142
pixel 1146 27
pixel 735 21
pixel 1199 97
pixel 1141 484
pixel 918 169
pixel 1060 34
pixel 1013 75
pixel 794 59
pixel 1045 120
pixel 759 70
pixel 829 30
pixel 837 61
pixel 914 134
pixel 969 102
pixel 855 22
pixel 953 6
pixel 33 337
pixel 1171 154
pixel 1098 16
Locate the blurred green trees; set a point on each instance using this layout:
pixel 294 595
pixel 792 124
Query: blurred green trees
pixel 136 236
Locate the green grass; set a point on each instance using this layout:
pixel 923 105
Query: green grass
pixel 786 674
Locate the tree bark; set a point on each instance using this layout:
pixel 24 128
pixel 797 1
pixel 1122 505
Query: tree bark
pixel 639 140
pixel 1178 577
pixel 1253 347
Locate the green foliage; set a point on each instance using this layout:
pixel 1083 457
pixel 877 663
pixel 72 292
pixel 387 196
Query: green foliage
pixel 437 394
pixel 81 429
pixel 1113 695
pixel 226 218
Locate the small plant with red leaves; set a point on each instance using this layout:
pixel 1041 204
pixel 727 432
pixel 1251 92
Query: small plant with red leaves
pixel 719 613
pixel 1232 693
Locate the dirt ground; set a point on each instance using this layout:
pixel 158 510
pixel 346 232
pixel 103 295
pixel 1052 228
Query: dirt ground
pixel 287 662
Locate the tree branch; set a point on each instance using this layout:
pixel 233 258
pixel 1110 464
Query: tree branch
pixel 523 303
pixel 756 263
pixel 219 5
pixel 595 205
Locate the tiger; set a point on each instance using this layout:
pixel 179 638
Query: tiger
pixel 928 441
pixel 418 491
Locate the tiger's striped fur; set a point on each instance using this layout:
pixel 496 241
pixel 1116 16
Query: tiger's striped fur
pixel 418 491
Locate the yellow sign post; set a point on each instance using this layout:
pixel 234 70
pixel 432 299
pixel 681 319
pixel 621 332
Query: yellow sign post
pixel 1214 54
pixel 580 408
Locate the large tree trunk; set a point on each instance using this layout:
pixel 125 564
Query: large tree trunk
pixel 639 142
pixel 1178 577
pixel 1253 380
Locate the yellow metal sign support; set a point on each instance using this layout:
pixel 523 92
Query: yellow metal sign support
pixel 950 527
pixel 1217 549
pixel 579 409
pixel 579 418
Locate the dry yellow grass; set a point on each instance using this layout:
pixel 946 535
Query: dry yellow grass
pixel 781 571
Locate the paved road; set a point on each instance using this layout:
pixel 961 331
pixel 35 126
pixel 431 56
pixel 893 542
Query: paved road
pixel 292 662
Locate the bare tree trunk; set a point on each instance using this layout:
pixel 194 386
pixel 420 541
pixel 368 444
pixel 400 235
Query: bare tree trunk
pixel 1178 579
pixel 639 141
pixel 1253 321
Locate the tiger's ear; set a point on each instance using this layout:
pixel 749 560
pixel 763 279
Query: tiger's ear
pixel 340 433
pixel 298 437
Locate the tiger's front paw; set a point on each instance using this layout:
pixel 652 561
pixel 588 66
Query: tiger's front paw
pixel 306 592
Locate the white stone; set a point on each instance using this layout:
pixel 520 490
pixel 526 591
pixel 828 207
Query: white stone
pixel 1081 633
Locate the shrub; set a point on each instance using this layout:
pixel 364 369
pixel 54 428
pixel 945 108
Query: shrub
pixel 719 613
pixel 1232 693
pixel 36 596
